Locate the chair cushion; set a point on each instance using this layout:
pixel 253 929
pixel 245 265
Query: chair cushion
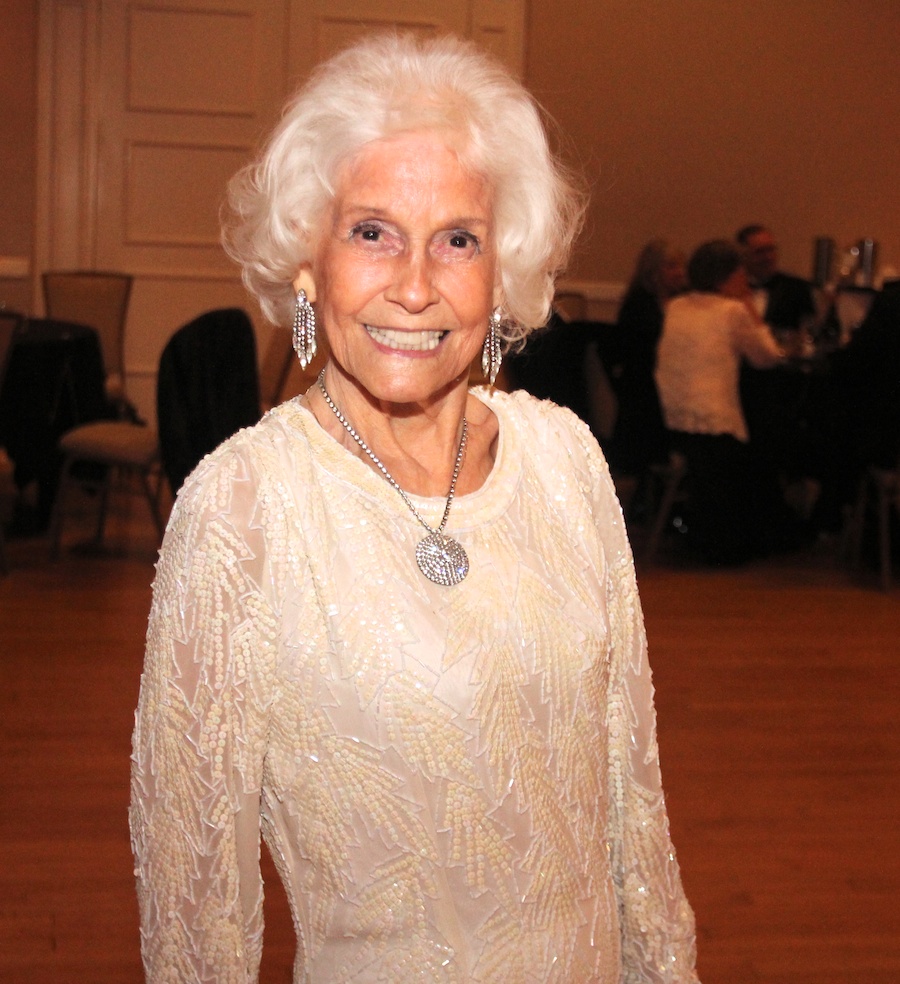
pixel 114 442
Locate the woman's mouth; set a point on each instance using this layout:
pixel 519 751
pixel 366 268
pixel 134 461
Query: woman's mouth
pixel 406 341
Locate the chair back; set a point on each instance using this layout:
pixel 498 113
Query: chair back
pixel 557 364
pixel 207 389
pixel 95 298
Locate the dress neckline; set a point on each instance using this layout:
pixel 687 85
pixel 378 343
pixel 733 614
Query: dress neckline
pixel 469 510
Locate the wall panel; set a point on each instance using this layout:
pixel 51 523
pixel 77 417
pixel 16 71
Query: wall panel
pixel 201 66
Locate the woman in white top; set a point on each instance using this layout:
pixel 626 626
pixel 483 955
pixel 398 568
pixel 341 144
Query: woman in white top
pixel 395 625
pixel 707 333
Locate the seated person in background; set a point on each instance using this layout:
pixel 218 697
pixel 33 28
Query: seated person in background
pixel 773 407
pixel 782 300
pixel 737 508
pixel 866 377
pixel 639 438
pixel 860 410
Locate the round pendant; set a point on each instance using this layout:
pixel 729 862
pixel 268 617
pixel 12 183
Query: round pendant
pixel 441 559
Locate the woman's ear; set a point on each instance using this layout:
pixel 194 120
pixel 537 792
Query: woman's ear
pixel 304 281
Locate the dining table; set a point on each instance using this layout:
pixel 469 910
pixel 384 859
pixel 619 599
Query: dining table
pixel 54 381
pixel 831 408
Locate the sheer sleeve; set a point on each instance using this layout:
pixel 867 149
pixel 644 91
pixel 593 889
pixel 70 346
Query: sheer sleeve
pixel 658 936
pixel 200 735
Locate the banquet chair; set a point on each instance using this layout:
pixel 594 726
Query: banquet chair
pixel 885 483
pixel 98 299
pixel 207 388
pixel 9 325
pixel 563 363
pixel 669 478
pixel 95 455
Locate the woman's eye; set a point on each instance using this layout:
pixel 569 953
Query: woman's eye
pixel 368 233
pixel 463 240
pixel 376 238
pixel 458 244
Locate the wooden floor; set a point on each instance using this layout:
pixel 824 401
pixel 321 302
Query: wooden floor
pixel 777 693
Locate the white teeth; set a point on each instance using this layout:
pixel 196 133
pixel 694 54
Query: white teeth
pixel 406 341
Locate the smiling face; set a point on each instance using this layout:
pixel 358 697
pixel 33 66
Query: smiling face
pixel 405 273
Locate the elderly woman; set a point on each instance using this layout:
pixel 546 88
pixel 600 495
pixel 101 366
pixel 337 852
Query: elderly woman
pixel 395 625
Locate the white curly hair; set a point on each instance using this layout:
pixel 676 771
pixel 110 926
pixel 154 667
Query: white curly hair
pixel 386 85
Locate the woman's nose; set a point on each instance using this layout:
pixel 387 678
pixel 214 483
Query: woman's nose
pixel 413 285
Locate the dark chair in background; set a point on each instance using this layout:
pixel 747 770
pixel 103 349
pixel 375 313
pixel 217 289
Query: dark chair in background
pixel 53 383
pixel 664 489
pixel 207 389
pixel 565 363
pixel 885 484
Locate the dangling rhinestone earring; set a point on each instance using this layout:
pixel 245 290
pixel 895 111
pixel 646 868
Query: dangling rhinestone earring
pixel 304 329
pixel 491 356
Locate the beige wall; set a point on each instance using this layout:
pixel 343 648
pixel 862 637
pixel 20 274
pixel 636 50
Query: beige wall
pixel 695 117
pixel 688 119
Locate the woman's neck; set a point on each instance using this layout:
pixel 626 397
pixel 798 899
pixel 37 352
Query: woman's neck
pixel 417 444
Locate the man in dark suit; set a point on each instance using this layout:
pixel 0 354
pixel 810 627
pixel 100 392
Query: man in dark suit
pixel 865 378
pixel 784 301
pixel 859 407
pixel 774 402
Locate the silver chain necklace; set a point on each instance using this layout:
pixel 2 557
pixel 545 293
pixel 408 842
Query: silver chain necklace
pixel 440 558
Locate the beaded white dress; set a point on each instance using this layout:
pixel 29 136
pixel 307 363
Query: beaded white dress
pixel 458 784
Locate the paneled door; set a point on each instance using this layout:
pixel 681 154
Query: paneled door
pixel 319 28
pixel 149 106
